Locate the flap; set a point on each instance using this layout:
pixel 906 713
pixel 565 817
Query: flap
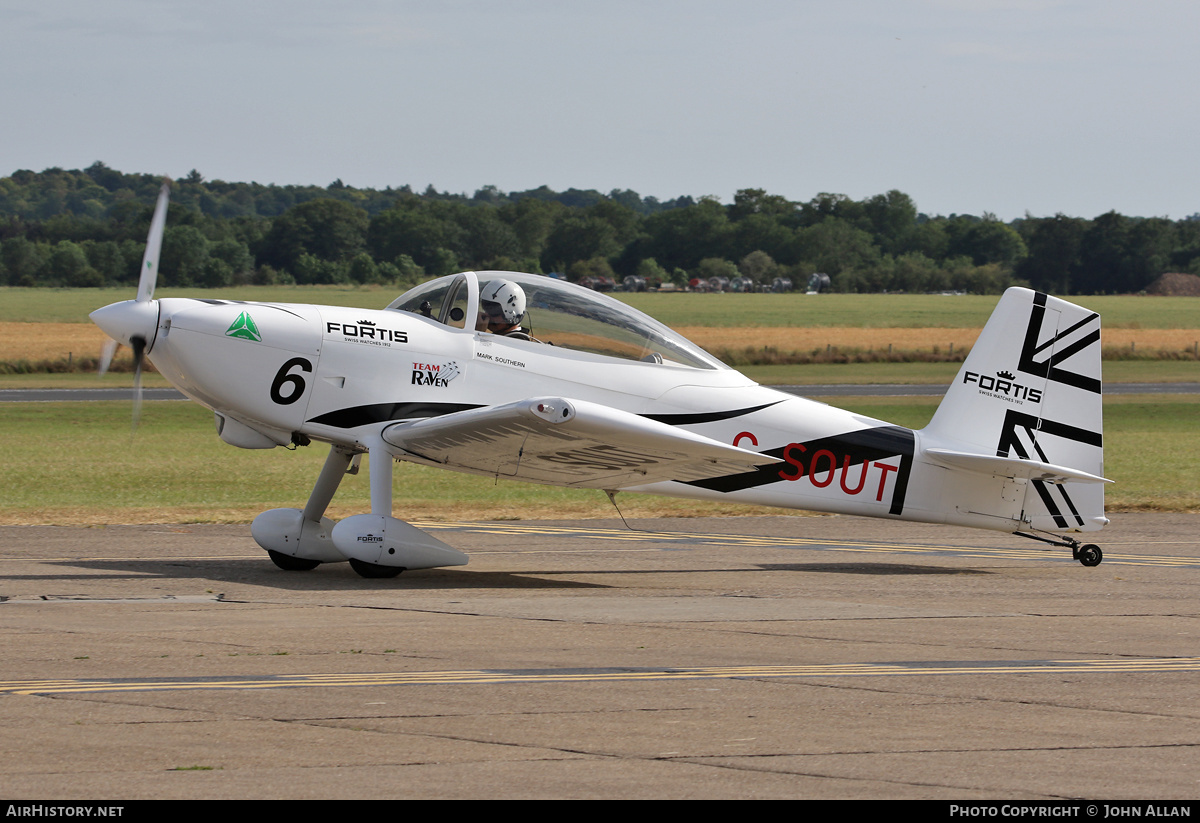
pixel 564 442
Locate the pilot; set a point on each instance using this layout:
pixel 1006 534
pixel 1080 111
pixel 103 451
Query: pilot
pixel 502 305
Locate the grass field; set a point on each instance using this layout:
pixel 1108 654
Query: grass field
pixel 62 341
pixel 74 463
pixel 48 325
pixel 676 310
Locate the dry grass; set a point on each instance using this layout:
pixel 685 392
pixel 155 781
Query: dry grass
pixel 57 341
pixel 49 341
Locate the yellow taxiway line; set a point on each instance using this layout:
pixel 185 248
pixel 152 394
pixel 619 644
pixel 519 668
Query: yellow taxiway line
pixel 435 678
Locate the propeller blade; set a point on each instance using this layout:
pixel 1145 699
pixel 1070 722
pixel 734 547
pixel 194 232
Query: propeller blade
pixel 139 356
pixel 107 353
pixel 154 239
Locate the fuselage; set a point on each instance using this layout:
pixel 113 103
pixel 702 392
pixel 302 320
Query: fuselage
pixel 292 372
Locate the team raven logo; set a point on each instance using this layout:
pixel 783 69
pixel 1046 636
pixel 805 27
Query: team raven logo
pixel 434 374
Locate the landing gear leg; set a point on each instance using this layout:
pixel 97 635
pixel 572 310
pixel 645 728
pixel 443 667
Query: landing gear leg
pixel 380 462
pixel 300 539
pixel 380 465
pixel 1088 554
pixel 327 483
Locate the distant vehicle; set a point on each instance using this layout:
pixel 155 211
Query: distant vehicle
pixel 781 284
pixel 818 283
pixel 598 283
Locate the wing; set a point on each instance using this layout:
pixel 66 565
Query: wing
pixel 563 442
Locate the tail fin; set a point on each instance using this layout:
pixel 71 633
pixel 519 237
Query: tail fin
pixel 1030 392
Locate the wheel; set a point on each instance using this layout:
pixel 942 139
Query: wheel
pixel 1090 555
pixel 373 571
pixel 292 564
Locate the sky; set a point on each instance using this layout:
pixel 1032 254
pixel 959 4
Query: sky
pixel 1011 107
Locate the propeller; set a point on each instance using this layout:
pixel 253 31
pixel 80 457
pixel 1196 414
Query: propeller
pixel 139 354
pixel 107 352
pixel 145 293
pixel 135 322
pixel 158 223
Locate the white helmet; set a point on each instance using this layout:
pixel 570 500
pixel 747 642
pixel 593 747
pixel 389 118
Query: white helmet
pixel 508 296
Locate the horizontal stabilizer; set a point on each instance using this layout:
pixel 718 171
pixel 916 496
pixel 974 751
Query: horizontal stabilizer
pixel 1015 467
pixel 565 442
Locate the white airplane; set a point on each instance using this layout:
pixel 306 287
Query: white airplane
pixel 595 394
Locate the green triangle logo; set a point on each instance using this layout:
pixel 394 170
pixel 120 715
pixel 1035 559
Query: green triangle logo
pixel 244 328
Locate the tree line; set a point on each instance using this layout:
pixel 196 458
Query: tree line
pixel 85 228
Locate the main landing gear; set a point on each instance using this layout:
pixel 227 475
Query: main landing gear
pixel 377 545
pixel 1088 554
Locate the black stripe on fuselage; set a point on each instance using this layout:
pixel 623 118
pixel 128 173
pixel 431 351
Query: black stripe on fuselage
pixel 705 417
pixel 355 416
pixel 214 302
pixel 856 446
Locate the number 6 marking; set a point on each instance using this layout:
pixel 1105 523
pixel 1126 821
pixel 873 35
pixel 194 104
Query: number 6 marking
pixel 282 378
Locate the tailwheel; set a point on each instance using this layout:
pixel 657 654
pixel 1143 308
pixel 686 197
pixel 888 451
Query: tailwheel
pixel 374 571
pixel 292 564
pixel 1089 555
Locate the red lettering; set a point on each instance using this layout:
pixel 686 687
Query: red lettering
pixel 862 478
pixel 794 460
pixel 812 468
pixel 752 438
pixel 884 469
